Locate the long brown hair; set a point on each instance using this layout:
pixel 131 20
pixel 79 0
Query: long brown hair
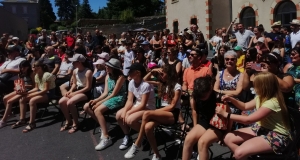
pixel 267 87
pixel 170 83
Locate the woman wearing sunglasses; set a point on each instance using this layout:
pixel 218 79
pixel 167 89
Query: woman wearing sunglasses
pixel 229 81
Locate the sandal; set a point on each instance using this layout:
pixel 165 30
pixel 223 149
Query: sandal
pixel 73 129
pixel 29 128
pixel 18 124
pixel 66 126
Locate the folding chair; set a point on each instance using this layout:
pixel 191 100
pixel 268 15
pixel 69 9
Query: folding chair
pixel 291 152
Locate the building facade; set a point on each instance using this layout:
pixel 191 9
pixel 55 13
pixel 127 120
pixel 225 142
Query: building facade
pixel 212 14
pixel 13 25
pixel 26 9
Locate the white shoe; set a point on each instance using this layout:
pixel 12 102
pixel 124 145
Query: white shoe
pixel 2 124
pixel 155 157
pixel 132 151
pixel 126 142
pixel 104 142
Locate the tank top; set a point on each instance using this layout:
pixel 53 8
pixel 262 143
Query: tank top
pixel 27 80
pixel 80 78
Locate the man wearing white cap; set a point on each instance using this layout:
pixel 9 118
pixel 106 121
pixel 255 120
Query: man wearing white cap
pixel 295 35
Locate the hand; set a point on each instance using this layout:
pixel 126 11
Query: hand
pixel 221 112
pixel 68 93
pixel 225 98
pixel 123 116
pixel 92 102
pixel 248 65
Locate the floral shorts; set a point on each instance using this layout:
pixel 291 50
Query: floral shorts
pixel 277 141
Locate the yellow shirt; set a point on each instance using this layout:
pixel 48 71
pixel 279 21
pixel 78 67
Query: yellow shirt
pixel 274 121
pixel 240 64
pixel 47 77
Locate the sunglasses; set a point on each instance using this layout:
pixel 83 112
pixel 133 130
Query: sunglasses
pixel 231 59
pixel 193 55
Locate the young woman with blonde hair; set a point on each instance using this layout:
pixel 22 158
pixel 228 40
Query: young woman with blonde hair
pixel 270 131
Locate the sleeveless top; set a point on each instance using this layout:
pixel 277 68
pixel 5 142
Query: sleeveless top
pixel 27 80
pixel 80 77
pixel 295 72
pixel 228 85
pixel 112 84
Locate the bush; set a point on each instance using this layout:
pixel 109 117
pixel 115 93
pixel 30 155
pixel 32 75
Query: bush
pixel 33 31
pixel 126 16
pixel 39 29
pixel 53 27
pixel 61 28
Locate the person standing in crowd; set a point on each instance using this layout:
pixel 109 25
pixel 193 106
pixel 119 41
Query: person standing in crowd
pixel 10 69
pixel 258 31
pixel 157 45
pixel 43 91
pixel 44 40
pixel 128 58
pixel 243 36
pixel 99 38
pixel 51 60
pixel 70 41
pixel 149 54
pixel 216 40
pixel 295 34
pixel 271 37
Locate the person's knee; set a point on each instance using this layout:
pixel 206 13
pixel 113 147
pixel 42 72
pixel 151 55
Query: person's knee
pixel 202 144
pixel 118 115
pixel 32 103
pixel 86 107
pixel 228 138
pixel 131 120
pixel 9 102
pixel 189 140
pixel 70 103
pixel 149 127
pixel 239 153
pixel 146 114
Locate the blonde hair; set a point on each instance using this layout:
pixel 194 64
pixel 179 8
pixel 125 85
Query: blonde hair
pixel 267 87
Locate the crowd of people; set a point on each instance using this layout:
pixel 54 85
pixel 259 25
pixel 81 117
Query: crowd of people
pixel 145 78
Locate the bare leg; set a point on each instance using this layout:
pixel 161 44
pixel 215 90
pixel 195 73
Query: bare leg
pixel 32 103
pixel 89 111
pixel 63 106
pixel 71 106
pixel 9 104
pixel 123 126
pixel 99 111
pixel 133 120
pixel 210 136
pixel 235 138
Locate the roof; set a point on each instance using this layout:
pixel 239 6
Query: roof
pixel 19 1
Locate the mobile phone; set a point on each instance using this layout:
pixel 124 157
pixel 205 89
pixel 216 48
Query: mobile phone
pixel 256 66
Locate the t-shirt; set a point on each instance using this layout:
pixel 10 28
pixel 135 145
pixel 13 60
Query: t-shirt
pixel 144 88
pixel 70 41
pixel 186 63
pixel 64 67
pixel 150 54
pixel 274 121
pixel 164 99
pixel 47 77
pixel 295 37
pixel 50 61
pixel 191 73
pixel 273 36
pixel 44 40
pixel 12 64
pixel 128 58
pixel 243 39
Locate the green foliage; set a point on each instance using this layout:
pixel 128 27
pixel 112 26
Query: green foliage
pixel 47 15
pixel 67 9
pixel 85 10
pixel 126 16
pixel 33 31
pixel 53 27
pixel 62 28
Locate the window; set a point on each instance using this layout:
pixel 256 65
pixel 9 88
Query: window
pixel 247 17
pixel 14 9
pixel 285 12
pixel 175 27
pixel 25 9
pixel 194 21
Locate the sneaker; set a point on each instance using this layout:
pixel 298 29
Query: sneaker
pixel 132 152
pixel 155 157
pixel 2 124
pixel 127 140
pixel 104 142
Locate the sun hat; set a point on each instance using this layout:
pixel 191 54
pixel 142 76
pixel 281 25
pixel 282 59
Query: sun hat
pixel 276 24
pixel 295 22
pixel 15 38
pixel 99 61
pixel 104 56
pixel 77 57
pixel 152 65
pixel 114 63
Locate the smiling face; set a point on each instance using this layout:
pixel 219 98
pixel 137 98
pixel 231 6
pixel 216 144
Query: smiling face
pixel 230 61
pixel 295 56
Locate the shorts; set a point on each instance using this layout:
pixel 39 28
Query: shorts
pixel 277 141
pixel 50 93
pixel 88 94
pixel 175 113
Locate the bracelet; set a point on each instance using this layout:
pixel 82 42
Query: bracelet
pixel 228 115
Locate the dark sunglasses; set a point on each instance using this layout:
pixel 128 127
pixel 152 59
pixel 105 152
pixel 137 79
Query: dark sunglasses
pixel 231 59
pixel 193 55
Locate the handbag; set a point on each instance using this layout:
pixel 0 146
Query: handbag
pixel 219 122
pixel 19 86
pixel 4 77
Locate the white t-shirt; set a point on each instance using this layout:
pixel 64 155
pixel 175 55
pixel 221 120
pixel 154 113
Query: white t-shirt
pixel 295 37
pixel 12 64
pixel 65 67
pixel 128 57
pixel 186 63
pixel 143 89
pixel 164 100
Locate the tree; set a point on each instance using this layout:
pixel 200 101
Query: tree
pixel 66 9
pixel 103 13
pixel 127 16
pixel 85 10
pixel 47 15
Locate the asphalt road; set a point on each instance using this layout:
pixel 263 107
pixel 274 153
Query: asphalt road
pixel 46 142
